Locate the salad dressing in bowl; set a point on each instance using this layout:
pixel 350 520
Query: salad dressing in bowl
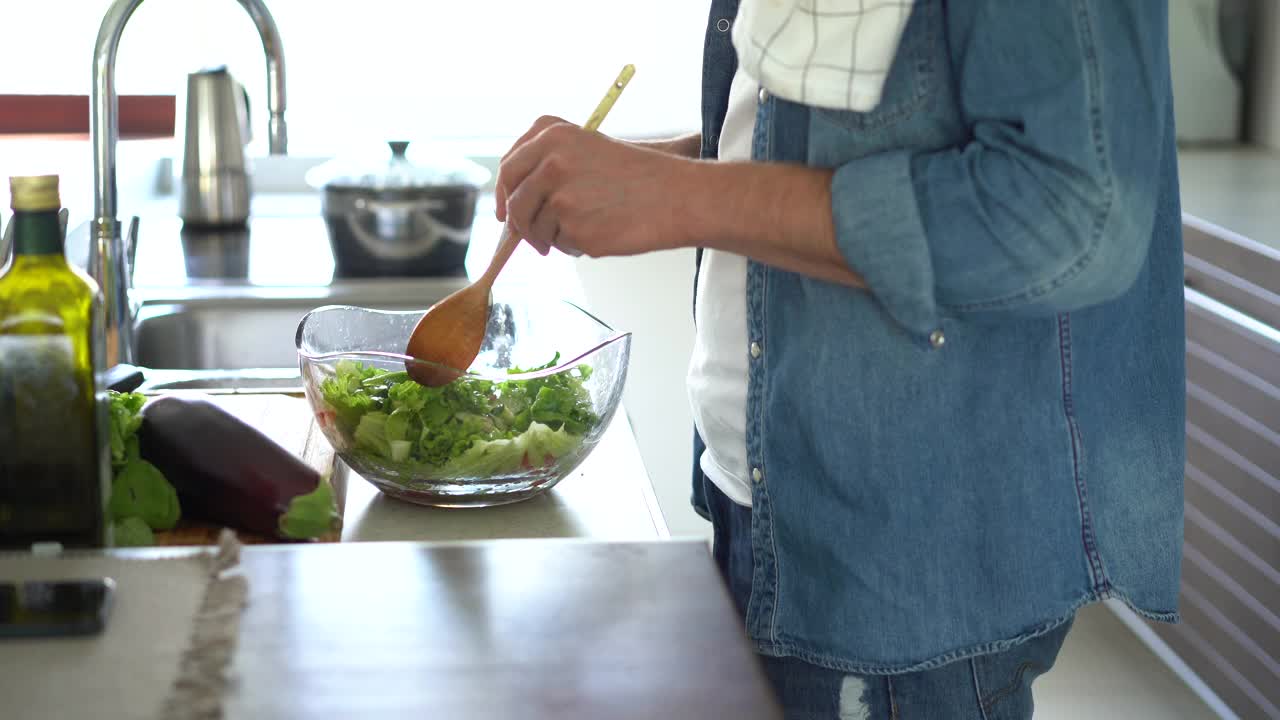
pixel 535 403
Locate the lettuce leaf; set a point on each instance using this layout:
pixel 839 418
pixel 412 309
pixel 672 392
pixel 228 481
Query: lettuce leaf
pixel 310 515
pixel 344 393
pixel 471 426
pixel 132 532
pixel 140 493
pixel 124 420
pixel 371 434
pixel 141 490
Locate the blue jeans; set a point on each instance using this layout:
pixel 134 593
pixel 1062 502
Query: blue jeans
pixel 988 687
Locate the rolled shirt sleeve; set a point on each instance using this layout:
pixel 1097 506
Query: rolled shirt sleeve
pixel 1049 203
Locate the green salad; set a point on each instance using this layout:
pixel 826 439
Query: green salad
pixel 470 427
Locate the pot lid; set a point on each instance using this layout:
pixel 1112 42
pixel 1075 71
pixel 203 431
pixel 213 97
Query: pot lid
pixel 398 168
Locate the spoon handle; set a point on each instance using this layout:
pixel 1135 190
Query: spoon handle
pixel 509 241
pixel 606 103
pixel 507 245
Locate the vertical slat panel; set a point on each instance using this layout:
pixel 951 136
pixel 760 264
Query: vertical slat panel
pixel 1231 334
pixel 1240 272
pixel 1243 563
pixel 1243 434
pixel 1215 585
pixel 1230 603
pixel 1245 700
pixel 1251 662
pixel 1256 530
pixel 1248 481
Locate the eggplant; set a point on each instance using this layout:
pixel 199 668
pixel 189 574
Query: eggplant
pixel 228 472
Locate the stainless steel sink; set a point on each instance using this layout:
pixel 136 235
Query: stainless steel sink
pixel 222 316
pixel 225 328
pixel 217 382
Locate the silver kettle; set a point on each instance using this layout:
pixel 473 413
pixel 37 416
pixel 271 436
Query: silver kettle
pixel 215 182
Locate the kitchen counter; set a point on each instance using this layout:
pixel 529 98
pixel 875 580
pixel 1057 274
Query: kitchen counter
pixel 608 497
pixel 430 612
pixel 531 630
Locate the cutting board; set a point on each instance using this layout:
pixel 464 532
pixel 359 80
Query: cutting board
pixel 287 420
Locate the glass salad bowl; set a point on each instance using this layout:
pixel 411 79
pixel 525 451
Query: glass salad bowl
pixel 532 406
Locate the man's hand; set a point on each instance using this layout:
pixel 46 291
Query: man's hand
pixel 586 193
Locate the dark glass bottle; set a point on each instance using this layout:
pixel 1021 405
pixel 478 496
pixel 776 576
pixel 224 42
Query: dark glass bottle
pixel 55 466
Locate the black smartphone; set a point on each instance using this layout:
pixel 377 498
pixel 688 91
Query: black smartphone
pixel 53 608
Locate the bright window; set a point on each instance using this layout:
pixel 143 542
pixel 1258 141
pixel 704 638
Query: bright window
pixel 360 70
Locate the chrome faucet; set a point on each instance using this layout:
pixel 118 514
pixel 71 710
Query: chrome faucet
pixel 110 260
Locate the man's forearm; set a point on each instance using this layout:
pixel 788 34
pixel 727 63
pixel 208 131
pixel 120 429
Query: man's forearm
pixel 775 214
pixel 583 192
pixel 686 146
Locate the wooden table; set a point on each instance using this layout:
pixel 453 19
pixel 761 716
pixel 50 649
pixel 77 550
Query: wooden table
pixel 525 629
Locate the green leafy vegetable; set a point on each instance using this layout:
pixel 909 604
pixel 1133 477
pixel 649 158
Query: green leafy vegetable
pixel 471 426
pixel 140 490
pixel 133 532
pixel 124 423
pixel 310 515
pixel 536 446
pixel 140 493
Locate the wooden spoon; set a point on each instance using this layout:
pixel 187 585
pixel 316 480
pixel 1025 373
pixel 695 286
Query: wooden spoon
pixel 450 333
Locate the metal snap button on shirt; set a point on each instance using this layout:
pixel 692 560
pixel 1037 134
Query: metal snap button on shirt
pixel 756 474
pixel 764 96
pixel 937 339
pixel 722 24
pixel 755 350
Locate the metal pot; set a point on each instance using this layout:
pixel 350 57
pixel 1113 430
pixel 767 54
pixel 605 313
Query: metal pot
pixel 399 219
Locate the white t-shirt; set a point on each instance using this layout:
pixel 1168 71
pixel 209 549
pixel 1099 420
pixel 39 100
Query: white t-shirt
pixel 717 378
pixel 786 46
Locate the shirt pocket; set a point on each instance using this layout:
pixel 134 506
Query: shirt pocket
pixel 912 79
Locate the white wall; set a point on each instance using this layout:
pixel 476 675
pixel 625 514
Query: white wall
pixel 651 296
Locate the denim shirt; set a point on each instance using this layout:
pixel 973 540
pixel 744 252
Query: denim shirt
pixel 993 435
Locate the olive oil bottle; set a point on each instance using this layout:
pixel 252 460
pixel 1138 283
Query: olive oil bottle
pixel 55 467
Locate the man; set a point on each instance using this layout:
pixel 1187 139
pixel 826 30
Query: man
pixel 938 376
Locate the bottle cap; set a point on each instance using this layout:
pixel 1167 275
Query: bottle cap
pixel 34 193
